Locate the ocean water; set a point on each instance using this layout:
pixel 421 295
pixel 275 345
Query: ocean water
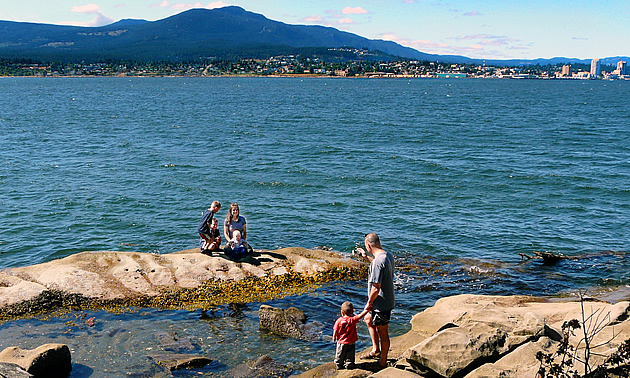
pixel 457 176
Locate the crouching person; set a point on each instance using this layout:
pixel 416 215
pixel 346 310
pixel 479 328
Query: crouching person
pixel 211 242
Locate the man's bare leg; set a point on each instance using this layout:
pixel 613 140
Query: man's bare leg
pixel 374 335
pixel 383 334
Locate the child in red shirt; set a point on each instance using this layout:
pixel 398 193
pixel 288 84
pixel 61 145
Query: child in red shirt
pixel 345 334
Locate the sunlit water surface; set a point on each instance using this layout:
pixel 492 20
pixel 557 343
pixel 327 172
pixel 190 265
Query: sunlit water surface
pixel 457 177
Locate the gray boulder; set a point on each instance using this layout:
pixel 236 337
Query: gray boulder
pixel 283 322
pixel 48 360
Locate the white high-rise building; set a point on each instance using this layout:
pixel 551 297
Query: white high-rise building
pixel 566 70
pixel 596 68
pixel 622 67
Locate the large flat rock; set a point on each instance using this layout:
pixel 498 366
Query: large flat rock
pixel 114 275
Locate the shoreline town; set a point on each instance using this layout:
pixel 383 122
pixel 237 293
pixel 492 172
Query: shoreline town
pixel 295 66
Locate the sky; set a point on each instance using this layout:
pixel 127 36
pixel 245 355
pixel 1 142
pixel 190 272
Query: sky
pixel 481 29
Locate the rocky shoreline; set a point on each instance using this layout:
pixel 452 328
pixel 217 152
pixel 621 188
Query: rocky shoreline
pixel 463 336
pixel 474 336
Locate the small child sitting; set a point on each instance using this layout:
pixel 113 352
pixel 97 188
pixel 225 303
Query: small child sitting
pixel 211 242
pixel 236 247
pixel 345 334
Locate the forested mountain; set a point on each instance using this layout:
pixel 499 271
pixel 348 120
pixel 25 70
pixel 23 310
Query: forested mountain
pixel 200 34
pixel 229 32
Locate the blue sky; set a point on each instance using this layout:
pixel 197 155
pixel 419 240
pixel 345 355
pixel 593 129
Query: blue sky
pixel 490 29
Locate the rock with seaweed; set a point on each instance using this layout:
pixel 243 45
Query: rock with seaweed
pixel 287 322
pixel 188 279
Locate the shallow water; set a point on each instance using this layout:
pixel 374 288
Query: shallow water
pixel 457 176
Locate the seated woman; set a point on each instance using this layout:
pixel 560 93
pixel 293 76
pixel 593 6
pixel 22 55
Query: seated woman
pixel 236 247
pixel 235 222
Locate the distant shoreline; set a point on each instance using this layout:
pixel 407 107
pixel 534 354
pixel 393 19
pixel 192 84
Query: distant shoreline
pixel 301 76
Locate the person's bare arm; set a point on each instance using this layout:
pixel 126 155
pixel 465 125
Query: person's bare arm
pixel 376 288
pixel 365 311
pixel 226 232
pixel 364 254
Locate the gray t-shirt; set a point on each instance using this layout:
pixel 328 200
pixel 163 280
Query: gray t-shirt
pixel 382 272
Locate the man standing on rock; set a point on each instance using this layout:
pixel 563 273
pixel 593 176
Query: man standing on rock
pixel 380 296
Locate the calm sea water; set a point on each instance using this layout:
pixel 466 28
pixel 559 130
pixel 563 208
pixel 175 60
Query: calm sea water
pixel 459 176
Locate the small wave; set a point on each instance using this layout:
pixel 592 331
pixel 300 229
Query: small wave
pixel 172 165
pixel 479 270
pixel 275 183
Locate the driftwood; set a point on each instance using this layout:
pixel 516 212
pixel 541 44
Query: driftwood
pixel 549 258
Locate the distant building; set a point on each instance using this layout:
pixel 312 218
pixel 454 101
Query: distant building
pixel 582 75
pixel 566 70
pixel 596 68
pixel 622 67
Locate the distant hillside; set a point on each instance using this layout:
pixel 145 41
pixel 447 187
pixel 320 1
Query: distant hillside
pixel 611 61
pixel 225 33
pixel 229 32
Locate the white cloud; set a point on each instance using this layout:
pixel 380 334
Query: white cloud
pixel 472 14
pixel 88 8
pixel 476 36
pixel 185 6
pixel 163 4
pixel 313 19
pixel 432 47
pixel 100 20
pixel 356 10
pixel 480 46
pixel 332 17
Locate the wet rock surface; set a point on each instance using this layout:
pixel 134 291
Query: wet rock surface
pixel 282 322
pixel 263 366
pixel 174 362
pixel 10 370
